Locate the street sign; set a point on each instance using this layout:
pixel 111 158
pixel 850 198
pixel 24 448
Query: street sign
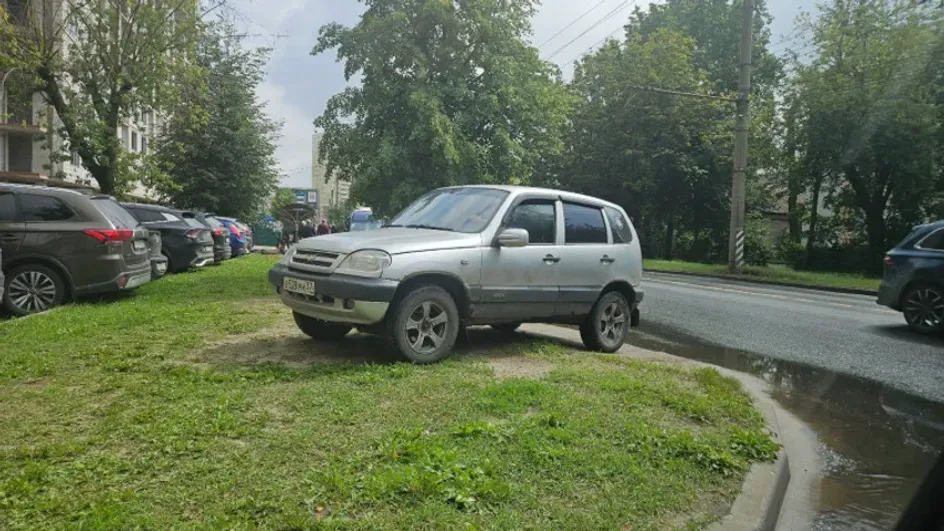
pixel 306 195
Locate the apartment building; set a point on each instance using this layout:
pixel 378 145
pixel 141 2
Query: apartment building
pixel 29 126
pixel 332 193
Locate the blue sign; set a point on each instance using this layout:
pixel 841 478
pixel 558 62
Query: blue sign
pixel 300 196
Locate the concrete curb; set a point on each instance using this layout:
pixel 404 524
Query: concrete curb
pixel 851 291
pixel 758 506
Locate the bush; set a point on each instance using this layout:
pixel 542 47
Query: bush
pixel 758 250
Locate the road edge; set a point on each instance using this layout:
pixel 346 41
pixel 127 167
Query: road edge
pixel 816 287
pixel 758 506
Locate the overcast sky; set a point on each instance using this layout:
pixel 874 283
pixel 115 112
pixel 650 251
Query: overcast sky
pixel 298 85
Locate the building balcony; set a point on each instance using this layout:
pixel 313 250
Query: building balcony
pixel 21 128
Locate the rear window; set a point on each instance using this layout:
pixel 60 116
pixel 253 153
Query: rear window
pixel 116 214
pixel 194 222
pixel 212 222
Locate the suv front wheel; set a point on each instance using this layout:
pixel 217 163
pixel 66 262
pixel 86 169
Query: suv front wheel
pixel 33 289
pixel 606 327
pixel 424 325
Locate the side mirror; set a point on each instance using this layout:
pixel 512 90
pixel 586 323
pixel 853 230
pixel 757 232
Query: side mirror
pixel 513 238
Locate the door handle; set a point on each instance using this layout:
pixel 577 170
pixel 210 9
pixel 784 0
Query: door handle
pixel 607 260
pixel 551 259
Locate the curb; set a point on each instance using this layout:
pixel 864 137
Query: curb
pixel 850 291
pixel 758 506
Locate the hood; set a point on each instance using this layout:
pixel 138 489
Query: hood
pixel 394 240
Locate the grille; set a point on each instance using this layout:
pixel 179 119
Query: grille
pixel 315 259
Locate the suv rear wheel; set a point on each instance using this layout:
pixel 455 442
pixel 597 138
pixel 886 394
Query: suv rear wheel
pixel 606 327
pixel 33 289
pixel 923 308
pixel 318 329
pixel 424 325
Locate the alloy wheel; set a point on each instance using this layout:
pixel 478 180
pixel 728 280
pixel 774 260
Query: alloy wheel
pixel 924 308
pixel 32 291
pixel 612 322
pixel 427 327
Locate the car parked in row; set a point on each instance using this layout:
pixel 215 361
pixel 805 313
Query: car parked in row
pixel 471 255
pixel 238 239
pixel 158 260
pixel 186 243
pixel 221 247
pixel 913 278
pixel 58 244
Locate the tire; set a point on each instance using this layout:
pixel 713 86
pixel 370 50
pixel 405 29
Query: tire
pixel 424 325
pixel 507 328
pixel 170 265
pixel 33 289
pixel 923 308
pixel 321 330
pixel 606 327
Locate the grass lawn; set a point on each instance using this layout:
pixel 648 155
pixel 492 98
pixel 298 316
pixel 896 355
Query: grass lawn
pixel 196 404
pixel 778 274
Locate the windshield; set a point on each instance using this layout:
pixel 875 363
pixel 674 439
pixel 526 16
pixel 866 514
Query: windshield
pixel 466 210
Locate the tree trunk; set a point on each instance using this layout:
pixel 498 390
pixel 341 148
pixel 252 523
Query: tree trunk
pixel 794 216
pixel 877 232
pixel 814 219
pixel 669 238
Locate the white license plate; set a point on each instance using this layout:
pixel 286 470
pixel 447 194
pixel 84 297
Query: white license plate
pixel 138 245
pixel 305 287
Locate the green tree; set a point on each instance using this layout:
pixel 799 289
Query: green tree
pixel 219 150
pixel 449 94
pixel 98 63
pixel 283 197
pixel 868 113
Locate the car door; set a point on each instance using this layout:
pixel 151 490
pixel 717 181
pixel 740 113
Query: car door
pixel 587 258
pixel 11 230
pixel 521 283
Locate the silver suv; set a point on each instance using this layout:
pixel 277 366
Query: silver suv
pixel 471 255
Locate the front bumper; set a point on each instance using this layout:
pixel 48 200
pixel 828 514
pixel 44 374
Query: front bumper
pixel 338 298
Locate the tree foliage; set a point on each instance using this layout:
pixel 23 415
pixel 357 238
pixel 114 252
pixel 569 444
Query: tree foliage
pixel 99 62
pixel 449 94
pixel 219 148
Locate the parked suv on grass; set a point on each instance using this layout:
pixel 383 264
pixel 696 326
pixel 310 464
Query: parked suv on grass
pixel 472 255
pixel 58 244
pixel 913 279
pixel 186 243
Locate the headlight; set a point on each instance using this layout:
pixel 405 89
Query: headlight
pixel 287 257
pixel 365 264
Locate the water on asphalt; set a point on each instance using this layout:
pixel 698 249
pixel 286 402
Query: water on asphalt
pixel 877 442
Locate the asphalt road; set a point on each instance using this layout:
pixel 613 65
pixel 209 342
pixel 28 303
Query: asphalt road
pixel 846 334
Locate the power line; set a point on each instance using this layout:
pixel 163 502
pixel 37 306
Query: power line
pixel 568 26
pixel 661 90
pixel 601 41
pixel 606 17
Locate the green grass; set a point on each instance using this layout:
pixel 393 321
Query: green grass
pixel 778 274
pixel 138 413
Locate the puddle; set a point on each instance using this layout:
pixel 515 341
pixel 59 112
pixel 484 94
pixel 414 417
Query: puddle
pixel 878 442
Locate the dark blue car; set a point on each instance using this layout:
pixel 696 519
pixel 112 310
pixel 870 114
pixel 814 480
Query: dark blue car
pixel 913 280
pixel 237 239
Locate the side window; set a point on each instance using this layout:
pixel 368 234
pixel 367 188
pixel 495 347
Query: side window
pixel 44 208
pixel 583 224
pixel 619 226
pixel 935 241
pixel 7 207
pixel 538 218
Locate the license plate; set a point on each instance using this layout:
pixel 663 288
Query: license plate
pixel 305 287
pixel 138 245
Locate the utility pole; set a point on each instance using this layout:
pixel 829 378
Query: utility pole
pixel 742 120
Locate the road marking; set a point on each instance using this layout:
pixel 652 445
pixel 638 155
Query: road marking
pixel 770 295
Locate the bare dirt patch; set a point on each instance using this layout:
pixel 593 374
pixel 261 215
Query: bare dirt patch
pixel 520 367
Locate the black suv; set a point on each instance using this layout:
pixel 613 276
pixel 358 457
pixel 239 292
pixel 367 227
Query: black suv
pixel 221 249
pixel 58 244
pixel 186 242
pixel 913 280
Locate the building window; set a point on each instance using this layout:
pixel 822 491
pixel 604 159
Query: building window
pixel 76 159
pixel 144 146
pixel 124 137
pixel 134 141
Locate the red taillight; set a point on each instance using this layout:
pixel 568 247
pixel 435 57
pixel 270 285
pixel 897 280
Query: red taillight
pixel 889 261
pixel 110 235
pixel 235 231
pixel 217 231
pixel 194 234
